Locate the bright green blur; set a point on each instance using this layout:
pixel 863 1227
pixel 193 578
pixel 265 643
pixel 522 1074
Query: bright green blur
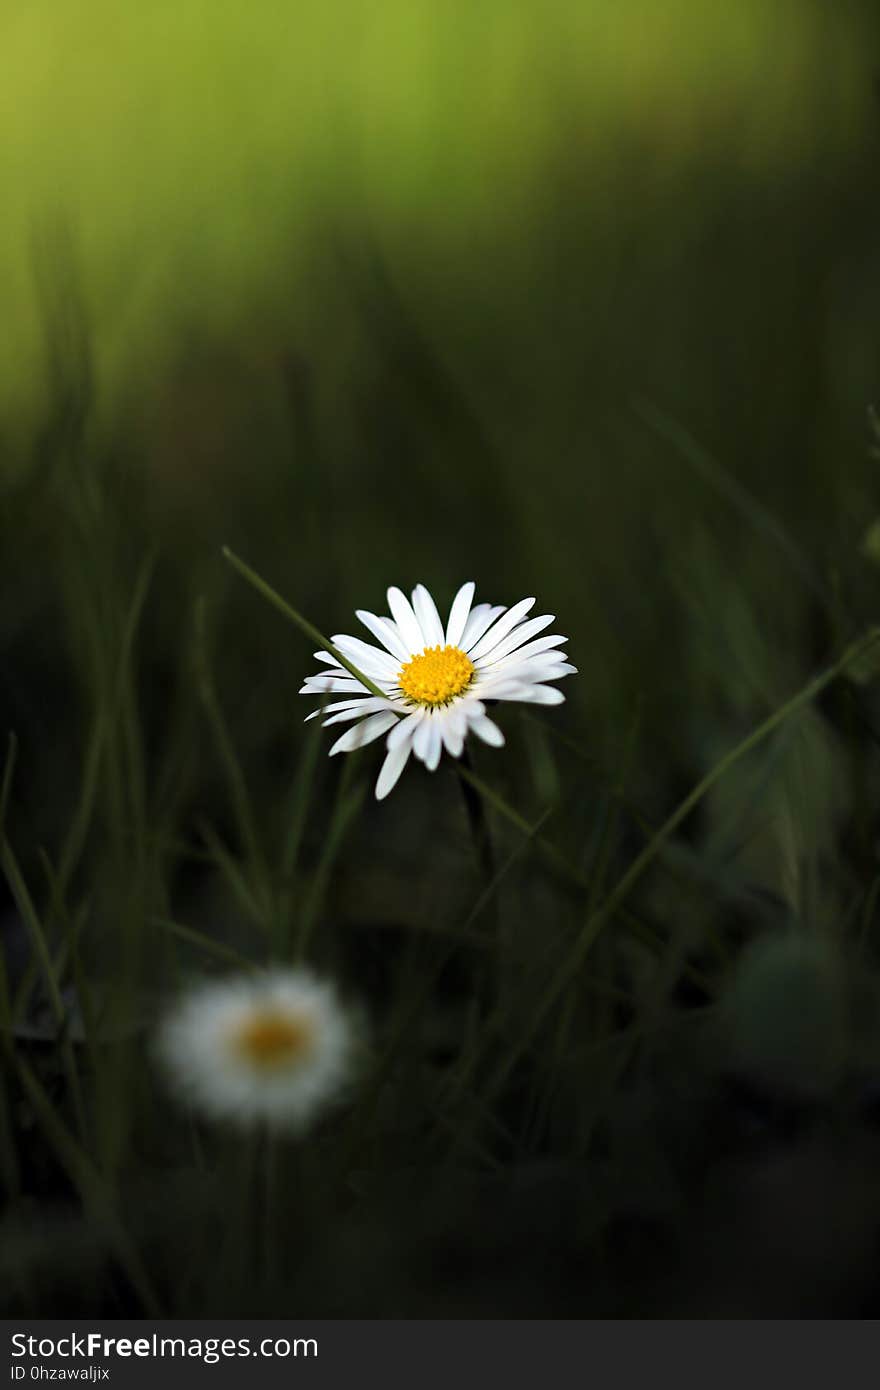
pixel 195 148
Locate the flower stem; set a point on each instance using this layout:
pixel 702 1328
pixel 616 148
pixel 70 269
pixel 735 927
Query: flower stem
pixel 477 819
pixel 488 981
pixel 268 1185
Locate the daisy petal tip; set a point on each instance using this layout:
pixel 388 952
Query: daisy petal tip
pixel 384 785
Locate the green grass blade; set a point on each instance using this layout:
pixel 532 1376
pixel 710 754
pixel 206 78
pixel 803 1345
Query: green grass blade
pixel 31 919
pixel 733 493
pixel 504 809
pixel 235 778
pixel 205 943
pixel 347 808
pixel 234 877
pixel 92 1190
pixel 8 774
pixel 313 633
pixel 573 963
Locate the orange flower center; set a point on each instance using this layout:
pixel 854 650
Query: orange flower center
pixel 274 1039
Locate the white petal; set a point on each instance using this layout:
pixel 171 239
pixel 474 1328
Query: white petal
pixel 477 623
pixel 320 685
pixel 405 729
pixel 500 629
pixel 365 703
pixel 453 727
pixel 546 667
pixel 425 610
pixel 345 716
pixel 422 738
pixel 436 746
pixel 543 695
pixel 520 635
pixel 458 613
pixel 541 644
pixel 545 675
pixel 371 660
pixel 470 706
pixel 527 693
pixel 488 731
pixel 535 662
pixel 427 743
pixel 526 675
pixel 395 762
pixel 387 633
pixel 364 733
pixel 334 670
pixel 406 620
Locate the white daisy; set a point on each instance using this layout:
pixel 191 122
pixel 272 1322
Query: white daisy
pixel 435 680
pixel 274 1047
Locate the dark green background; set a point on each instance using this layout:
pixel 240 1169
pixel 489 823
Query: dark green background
pixel 576 300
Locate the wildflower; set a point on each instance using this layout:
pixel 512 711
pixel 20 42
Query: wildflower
pixel 273 1047
pixel 435 680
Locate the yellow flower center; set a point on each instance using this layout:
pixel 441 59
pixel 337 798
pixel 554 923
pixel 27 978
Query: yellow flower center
pixel 274 1039
pixel 436 676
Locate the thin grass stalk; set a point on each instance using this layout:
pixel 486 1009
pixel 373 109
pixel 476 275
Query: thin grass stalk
pixel 235 778
pixel 40 946
pixel 309 629
pixel 572 965
pixel 93 1193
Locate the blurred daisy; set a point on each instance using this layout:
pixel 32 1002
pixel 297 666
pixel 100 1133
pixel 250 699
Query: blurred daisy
pixel 435 679
pixel 273 1047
